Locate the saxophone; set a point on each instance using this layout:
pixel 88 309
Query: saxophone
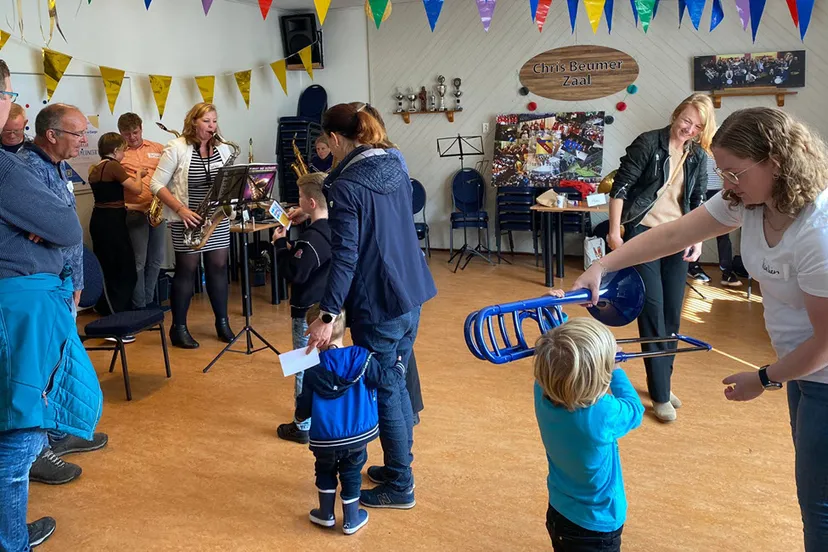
pixel 196 237
pixel 155 214
pixel 298 166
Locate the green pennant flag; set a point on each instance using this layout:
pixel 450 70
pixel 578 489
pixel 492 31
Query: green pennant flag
pixel 645 12
pixel 378 9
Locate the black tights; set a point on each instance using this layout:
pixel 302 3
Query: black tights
pixel 215 271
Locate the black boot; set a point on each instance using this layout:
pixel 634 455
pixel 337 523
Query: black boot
pixel 223 331
pixel 180 337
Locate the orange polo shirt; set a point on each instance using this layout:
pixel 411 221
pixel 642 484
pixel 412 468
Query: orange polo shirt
pixel 146 156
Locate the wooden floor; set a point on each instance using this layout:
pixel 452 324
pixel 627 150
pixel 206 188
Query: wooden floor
pixel 193 463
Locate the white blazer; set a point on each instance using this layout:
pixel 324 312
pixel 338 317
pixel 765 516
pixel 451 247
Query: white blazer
pixel 173 170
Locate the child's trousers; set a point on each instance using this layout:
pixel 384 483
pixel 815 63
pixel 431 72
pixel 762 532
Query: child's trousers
pixel 347 463
pixel 569 537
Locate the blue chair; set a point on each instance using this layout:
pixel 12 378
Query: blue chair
pixel 119 325
pixel 469 197
pixel 418 196
pixel 514 214
pixel 313 102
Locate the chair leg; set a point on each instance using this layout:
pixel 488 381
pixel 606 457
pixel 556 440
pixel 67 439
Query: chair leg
pixel 164 348
pixel 497 241
pixel 125 369
pixel 428 244
pixel 451 243
pixel 511 243
pixel 114 358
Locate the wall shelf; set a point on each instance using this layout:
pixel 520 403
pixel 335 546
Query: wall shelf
pixel 780 94
pixel 406 115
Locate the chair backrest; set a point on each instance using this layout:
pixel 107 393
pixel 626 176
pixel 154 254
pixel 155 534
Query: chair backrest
pixel 468 191
pixel 418 195
pixel 93 280
pixel 313 102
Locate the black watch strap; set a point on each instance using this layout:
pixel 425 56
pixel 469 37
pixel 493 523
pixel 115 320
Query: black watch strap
pixel 767 383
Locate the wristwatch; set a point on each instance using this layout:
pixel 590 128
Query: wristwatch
pixel 327 317
pixel 767 383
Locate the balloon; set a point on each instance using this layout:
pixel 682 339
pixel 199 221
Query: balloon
pixel 606 184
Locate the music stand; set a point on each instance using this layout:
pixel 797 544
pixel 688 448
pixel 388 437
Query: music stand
pixel 240 188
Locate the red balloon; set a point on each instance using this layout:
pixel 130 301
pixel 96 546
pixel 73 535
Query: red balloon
pixel 532 106
pixel 621 106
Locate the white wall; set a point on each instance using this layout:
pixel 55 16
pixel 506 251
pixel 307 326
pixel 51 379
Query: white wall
pixel 405 53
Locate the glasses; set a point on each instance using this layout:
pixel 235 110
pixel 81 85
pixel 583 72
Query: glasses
pixel 78 134
pixel 5 94
pixel 733 177
pixel 12 131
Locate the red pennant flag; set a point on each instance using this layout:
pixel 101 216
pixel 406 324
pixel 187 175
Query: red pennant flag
pixel 794 13
pixel 542 12
pixel 264 5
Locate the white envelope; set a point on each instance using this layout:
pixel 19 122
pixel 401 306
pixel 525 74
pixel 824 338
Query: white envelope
pixel 298 360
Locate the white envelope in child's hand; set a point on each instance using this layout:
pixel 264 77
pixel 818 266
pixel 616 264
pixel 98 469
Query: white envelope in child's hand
pixel 298 360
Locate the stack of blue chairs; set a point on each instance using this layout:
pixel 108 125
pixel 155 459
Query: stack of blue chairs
pixel 514 214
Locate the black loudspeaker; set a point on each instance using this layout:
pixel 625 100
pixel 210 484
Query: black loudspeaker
pixel 299 31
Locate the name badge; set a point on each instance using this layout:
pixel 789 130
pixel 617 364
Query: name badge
pixel 154 155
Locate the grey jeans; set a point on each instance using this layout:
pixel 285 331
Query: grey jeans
pixel 148 244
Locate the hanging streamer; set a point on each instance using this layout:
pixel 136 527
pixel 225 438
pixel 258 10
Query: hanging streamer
pixel 243 82
pixel 4 37
pixel 322 9
pixel 756 9
pixel 594 9
pixel 54 21
pixel 717 15
pixel 572 5
pixel 486 9
pixel 645 12
pixel 433 9
pixel 206 4
pixel 695 8
pixel 264 5
pixel 54 65
pixel 207 87
pixel 20 16
pixel 370 13
pixel 533 7
pixel 608 8
pixel 160 85
pixel 542 12
pixel 280 70
pixel 804 9
pixel 743 7
pixel 378 8
pixel 112 79
pixel 306 56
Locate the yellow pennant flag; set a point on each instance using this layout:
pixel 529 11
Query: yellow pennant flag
pixel 4 37
pixel 54 65
pixel 94 120
pixel 160 85
pixel 305 55
pixel 280 70
pixel 322 9
pixel 207 87
pixel 243 80
pixel 112 79
pixel 594 9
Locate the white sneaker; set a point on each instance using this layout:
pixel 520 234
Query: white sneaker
pixel 665 412
pixel 125 339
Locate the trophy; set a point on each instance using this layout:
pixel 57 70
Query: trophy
pixel 433 102
pixel 412 98
pixel 399 98
pixel 441 90
pixel 423 99
pixel 457 94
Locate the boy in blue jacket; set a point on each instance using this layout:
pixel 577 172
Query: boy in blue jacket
pixel 584 403
pixel 340 393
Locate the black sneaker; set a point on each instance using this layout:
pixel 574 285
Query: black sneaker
pixel 730 280
pixel 126 339
pixel 289 432
pixel 696 272
pixel 71 444
pixel 51 470
pixel 739 267
pixel 40 531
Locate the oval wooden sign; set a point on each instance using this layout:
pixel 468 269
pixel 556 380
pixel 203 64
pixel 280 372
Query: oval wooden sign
pixel 578 73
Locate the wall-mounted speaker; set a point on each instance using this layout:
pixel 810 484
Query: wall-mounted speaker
pixel 299 31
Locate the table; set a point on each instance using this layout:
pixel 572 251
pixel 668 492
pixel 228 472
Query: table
pixel 278 289
pixel 547 214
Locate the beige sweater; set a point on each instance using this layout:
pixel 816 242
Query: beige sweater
pixel 667 207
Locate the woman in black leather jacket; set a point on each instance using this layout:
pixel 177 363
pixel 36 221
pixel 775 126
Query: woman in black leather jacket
pixel 663 176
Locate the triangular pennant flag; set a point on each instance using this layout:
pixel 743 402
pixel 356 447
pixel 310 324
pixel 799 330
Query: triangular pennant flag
pixel 378 9
pixel 305 55
pixel 206 4
pixel 757 7
pixel 207 87
pixel 243 81
pixel 280 70
pixel 112 79
pixel 695 8
pixel 533 7
pixel 743 7
pixel 594 9
pixel 433 9
pixel 608 8
pixel 94 120
pixel 542 12
pixel 322 9
pixel 794 13
pixel 147 3
pixel 635 12
pixel 717 15
pixel 4 37
pixel 573 12
pixel 160 85
pixel 655 9
pixel 682 7
pixel 264 5
pixel 645 12
pixel 486 9
pixel 804 9
pixel 54 65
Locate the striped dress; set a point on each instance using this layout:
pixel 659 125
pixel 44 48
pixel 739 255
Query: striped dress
pixel 198 186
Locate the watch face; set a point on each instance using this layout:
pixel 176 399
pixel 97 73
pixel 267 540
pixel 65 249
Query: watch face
pixel 327 318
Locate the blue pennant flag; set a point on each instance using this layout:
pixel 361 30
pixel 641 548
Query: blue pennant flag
pixel 432 9
pixel 804 9
pixel 573 12
pixel 533 7
pixel 635 12
pixel 608 5
pixel 757 7
pixel 695 7
pixel 718 14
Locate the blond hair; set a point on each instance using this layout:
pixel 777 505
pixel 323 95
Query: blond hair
pixel 195 113
pixel 704 105
pixel 574 362
pixel 338 328
pixel 311 185
pixel 769 134
pixel 16 110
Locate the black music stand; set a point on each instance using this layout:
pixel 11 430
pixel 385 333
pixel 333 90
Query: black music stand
pixel 237 192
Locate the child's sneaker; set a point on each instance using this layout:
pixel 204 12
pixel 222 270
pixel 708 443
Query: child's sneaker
pixel 289 432
pixel 384 496
pixel 324 515
pixel 355 517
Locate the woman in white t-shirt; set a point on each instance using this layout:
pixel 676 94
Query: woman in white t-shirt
pixel 775 174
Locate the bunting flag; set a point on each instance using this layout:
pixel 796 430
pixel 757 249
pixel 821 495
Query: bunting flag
pixel 804 9
pixel 280 70
pixel 542 12
pixel 433 9
pixel 147 3
pixel 635 12
pixel 207 87
pixel 743 7
pixel 794 14
pixel 695 8
pixel 243 81
pixel 486 9
pixel 682 7
pixel 594 9
pixel 573 12
pixel 4 37
pixel 112 79
pixel 54 65
pixel 369 12
pixel 756 9
pixel 645 12
pixel 264 5
pixel 533 7
pixel 207 4
pixel 608 9
pixel 322 9
pixel 305 55
pixel 94 120
pixel 655 10
pixel 378 9
pixel 54 21
pixel 717 15
pixel 160 85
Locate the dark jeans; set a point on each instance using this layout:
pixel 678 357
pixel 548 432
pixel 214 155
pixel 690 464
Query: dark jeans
pixel 664 282
pixel 723 245
pixel 18 450
pixel 148 244
pixel 347 463
pixel 390 340
pixel 412 383
pixel 113 248
pixel 568 537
